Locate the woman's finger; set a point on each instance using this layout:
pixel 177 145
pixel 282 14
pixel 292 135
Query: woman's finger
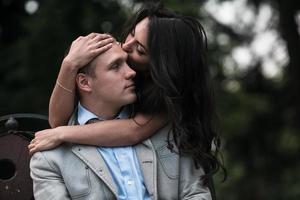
pixel 102 43
pixel 102 49
pixel 32 151
pixel 98 38
pixel 92 35
pixel 30 146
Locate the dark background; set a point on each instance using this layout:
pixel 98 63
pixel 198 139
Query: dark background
pixel 259 111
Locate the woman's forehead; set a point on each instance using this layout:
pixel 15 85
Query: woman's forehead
pixel 141 31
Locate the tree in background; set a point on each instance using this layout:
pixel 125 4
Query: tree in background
pixel 260 107
pixel 34 35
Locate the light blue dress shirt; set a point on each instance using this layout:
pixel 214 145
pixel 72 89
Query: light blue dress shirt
pixel 122 163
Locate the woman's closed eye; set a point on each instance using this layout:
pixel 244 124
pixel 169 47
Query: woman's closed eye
pixel 140 50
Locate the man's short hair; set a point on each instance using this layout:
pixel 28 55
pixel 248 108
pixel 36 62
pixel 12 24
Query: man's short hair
pixel 88 69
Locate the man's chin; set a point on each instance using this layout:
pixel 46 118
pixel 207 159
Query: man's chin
pixel 131 99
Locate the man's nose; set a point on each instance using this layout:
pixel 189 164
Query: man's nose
pixel 130 73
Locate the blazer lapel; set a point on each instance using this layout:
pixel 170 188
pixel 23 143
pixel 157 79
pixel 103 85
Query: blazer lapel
pixel 147 160
pixel 92 158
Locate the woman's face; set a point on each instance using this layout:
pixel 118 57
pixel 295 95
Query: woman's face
pixel 136 47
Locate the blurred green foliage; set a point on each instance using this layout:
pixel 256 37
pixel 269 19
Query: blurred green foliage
pixel 259 116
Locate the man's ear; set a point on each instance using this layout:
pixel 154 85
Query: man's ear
pixel 83 82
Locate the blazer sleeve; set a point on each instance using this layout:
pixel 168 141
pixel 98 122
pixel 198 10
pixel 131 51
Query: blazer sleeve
pixel 47 181
pixel 190 184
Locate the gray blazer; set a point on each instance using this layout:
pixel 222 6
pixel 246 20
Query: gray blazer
pixel 79 172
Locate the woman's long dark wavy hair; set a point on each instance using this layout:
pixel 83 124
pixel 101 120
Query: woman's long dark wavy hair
pixel 177 47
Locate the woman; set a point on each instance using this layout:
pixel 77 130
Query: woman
pixel 168 52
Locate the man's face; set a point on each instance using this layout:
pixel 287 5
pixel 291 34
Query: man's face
pixel 113 81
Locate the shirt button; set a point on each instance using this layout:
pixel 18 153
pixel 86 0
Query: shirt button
pixel 129 182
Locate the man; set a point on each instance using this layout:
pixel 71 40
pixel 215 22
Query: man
pixel 148 171
pixel 72 171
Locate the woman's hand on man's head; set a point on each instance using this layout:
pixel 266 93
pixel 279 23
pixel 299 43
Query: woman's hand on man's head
pixel 85 48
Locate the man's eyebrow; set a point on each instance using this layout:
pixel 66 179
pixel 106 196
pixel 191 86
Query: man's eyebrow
pixel 114 60
pixel 117 60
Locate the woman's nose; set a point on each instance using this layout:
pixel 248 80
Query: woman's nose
pixel 127 46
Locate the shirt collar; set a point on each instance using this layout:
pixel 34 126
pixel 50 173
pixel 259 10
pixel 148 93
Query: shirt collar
pixel 85 115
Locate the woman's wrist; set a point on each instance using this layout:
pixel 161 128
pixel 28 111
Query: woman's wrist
pixel 60 134
pixel 70 65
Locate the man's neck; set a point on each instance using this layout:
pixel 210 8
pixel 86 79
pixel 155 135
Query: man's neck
pixel 102 110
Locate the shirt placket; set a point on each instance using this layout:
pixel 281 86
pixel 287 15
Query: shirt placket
pixel 127 173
